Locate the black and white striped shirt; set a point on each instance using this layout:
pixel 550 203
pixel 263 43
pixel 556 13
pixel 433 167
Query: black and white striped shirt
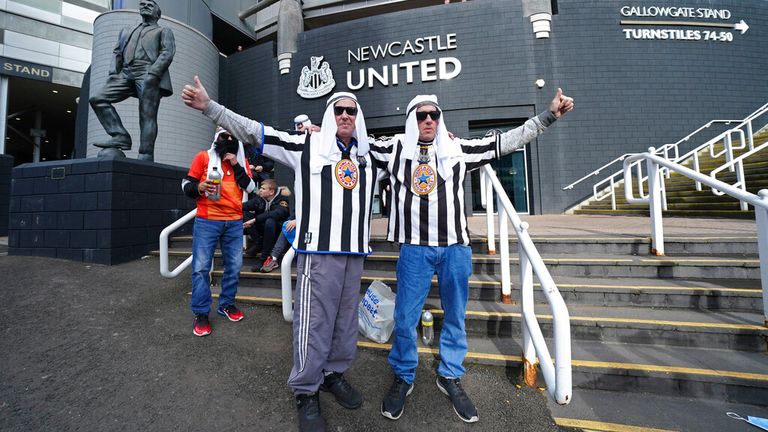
pixel 437 218
pixel 330 218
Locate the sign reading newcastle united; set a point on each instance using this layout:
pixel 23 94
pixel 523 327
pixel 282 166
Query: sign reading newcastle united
pixel 670 22
pixel 431 69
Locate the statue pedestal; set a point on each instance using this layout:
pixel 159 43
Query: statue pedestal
pixel 98 210
pixel 110 153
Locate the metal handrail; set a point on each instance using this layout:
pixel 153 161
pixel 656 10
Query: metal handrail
pixel 760 202
pixel 286 285
pixel 164 235
pixel 535 351
pixel 624 156
pixel 738 164
pixel 608 184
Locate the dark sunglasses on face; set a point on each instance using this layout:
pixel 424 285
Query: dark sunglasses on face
pixel 339 110
pixel 225 137
pixel 422 115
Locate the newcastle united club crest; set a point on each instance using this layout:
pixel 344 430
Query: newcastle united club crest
pixel 423 179
pixel 316 80
pixel 346 173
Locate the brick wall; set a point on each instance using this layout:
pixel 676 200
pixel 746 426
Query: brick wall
pixel 93 210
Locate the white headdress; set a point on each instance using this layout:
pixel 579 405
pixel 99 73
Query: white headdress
pixel 446 150
pixel 302 119
pixel 326 147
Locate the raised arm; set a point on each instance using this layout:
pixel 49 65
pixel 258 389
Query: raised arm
pixel 244 129
pixel 280 146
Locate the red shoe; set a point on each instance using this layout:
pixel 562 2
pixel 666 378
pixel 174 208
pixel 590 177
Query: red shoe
pixel 202 327
pixel 269 265
pixel 230 311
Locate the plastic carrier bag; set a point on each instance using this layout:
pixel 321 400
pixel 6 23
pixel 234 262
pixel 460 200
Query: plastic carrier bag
pixel 376 312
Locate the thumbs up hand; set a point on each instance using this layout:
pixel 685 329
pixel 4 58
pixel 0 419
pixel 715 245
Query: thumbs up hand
pixel 561 104
pixel 195 96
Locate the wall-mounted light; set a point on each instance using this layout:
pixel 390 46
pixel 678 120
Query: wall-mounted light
pixel 54 91
pixel 541 25
pixel 540 83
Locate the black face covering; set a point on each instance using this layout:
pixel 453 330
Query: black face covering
pixel 226 146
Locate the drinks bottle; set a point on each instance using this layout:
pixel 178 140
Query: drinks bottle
pixel 215 179
pixel 427 328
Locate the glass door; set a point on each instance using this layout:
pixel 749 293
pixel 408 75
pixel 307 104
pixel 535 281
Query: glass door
pixel 511 169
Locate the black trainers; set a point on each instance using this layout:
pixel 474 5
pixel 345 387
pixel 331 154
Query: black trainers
pixel 394 402
pixel 310 418
pixel 462 404
pixel 345 394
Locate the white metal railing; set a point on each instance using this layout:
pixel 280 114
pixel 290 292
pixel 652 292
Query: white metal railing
pixel 737 165
pixel 745 129
pixel 286 284
pixel 557 375
pixel 654 164
pixel 164 235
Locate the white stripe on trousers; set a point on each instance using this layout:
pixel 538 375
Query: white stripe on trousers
pixel 306 298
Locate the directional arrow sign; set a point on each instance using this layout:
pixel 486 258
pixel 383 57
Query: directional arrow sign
pixel 741 25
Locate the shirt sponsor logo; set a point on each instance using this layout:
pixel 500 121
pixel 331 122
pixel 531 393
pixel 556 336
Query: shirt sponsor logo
pixel 346 173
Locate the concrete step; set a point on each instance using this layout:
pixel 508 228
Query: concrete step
pixel 625 245
pixel 705 192
pixel 752 175
pixel 709 294
pixel 600 410
pixel 708 164
pixel 597 266
pixel 671 205
pixel 730 214
pixel 752 187
pixel 731 376
pixel 740 331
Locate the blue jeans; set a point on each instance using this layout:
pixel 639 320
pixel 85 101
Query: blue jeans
pixel 415 268
pixel 205 235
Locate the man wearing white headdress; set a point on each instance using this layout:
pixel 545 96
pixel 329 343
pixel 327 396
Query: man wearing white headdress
pixel 219 219
pixel 334 184
pixel 427 170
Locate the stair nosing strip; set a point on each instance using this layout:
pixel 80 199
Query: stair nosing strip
pixel 537 284
pixel 549 317
pixel 594 364
pixel 593 425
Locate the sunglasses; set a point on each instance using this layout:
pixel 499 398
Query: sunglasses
pixel 422 115
pixel 225 137
pixel 339 110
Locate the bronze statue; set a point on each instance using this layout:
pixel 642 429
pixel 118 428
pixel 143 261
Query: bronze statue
pixel 140 69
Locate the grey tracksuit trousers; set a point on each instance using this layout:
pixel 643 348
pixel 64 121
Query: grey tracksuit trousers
pixel 324 317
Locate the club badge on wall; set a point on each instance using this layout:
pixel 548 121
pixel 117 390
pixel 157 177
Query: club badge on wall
pixel 316 80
